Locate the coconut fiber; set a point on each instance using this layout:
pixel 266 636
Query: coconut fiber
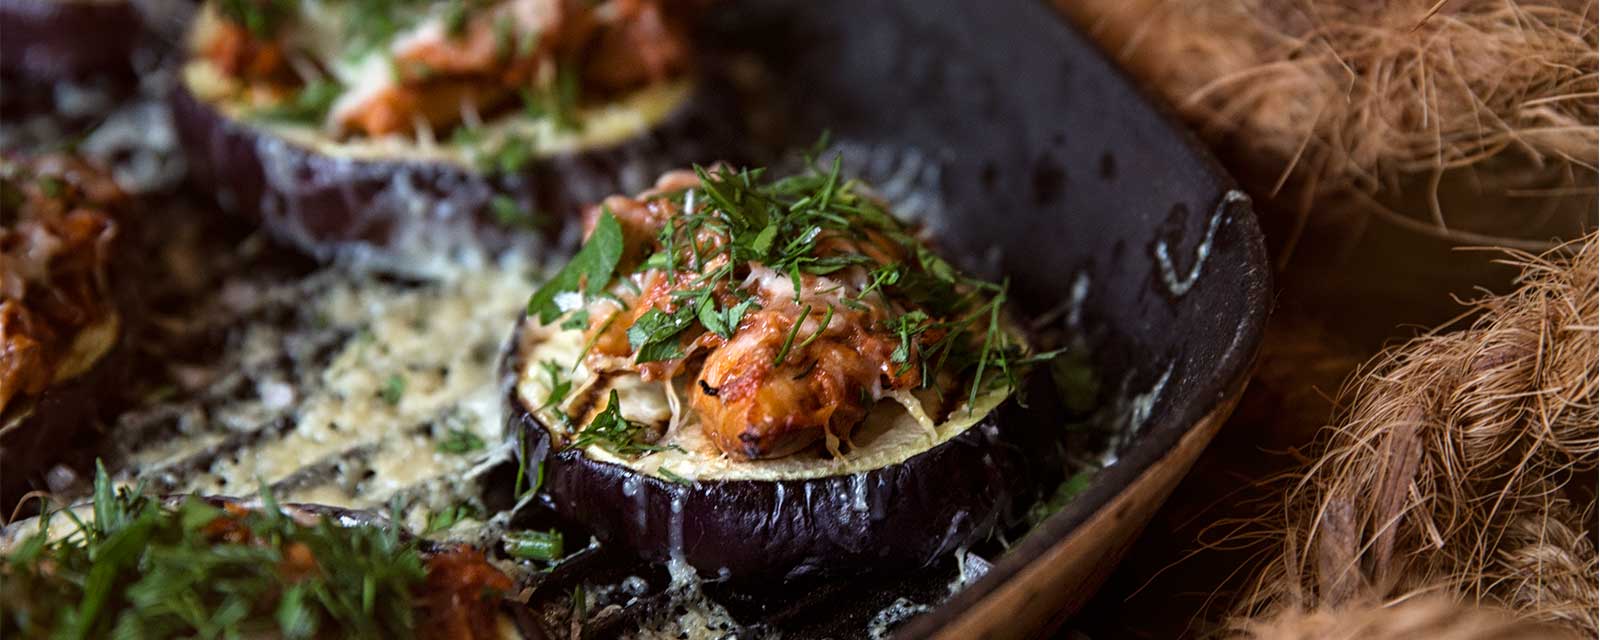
pixel 1462 473
pixel 1351 98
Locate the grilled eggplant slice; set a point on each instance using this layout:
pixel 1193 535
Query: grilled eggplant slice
pixel 68 39
pixel 454 131
pixel 61 317
pixel 317 568
pixel 774 379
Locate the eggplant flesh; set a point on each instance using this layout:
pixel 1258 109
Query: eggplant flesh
pixel 901 499
pixel 396 204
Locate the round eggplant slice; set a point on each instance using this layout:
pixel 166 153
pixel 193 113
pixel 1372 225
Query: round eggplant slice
pixel 904 495
pixel 398 203
pixel 59 39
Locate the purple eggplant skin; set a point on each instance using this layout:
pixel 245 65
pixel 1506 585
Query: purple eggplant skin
pixel 895 518
pixel 336 207
pixel 58 39
pixel 61 415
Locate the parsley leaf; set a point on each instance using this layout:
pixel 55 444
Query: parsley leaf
pixel 309 105
pixel 654 336
pixel 589 271
pixel 394 388
pixel 614 433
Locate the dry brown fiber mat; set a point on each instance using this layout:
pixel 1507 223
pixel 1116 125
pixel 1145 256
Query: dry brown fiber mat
pixel 1354 95
pixel 1462 474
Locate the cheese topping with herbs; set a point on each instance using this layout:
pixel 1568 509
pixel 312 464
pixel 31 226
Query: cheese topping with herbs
pixel 727 325
pixel 487 83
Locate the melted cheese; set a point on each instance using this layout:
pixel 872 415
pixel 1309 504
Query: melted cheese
pixel 442 340
pixel 890 434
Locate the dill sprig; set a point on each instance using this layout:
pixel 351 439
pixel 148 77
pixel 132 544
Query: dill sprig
pixel 140 568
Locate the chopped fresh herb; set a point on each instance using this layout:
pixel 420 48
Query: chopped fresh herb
pixel 589 345
pixel 946 331
pixel 510 156
pixel 394 388
pixel 1070 488
pixel 143 568
pixel 309 105
pixel 564 102
pixel 725 321
pixel 672 477
pixel 578 320
pixel 654 336
pixel 535 479
pixel 455 19
pixel 510 214
pixel 826 318
pixel 260 17
pixel 504 30
pixel 614 433
pixel 447 518
pixel 534 545
pixel 375 23
pixel 805 312
pixel 588 272
pixel 560 386
pixel 52 187
pixel 460 441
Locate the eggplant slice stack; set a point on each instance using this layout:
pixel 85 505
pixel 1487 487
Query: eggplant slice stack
pixel 1006 138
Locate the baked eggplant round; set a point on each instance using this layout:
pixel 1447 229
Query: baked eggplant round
pixel 68 39
pixel 291 570
pixel 61 316
pixel 774 379
pixel 458 129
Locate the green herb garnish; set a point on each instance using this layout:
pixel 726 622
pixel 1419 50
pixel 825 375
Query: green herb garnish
pixel 140 568
pixel 394 388
pixel 260 17
pixel 510 214
pixel 534 545
pixel 460 441
pixel 614 433
pixel 309 105
pixel 560 386
pixel 444 520
pixel 588 272
pixel 672 477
